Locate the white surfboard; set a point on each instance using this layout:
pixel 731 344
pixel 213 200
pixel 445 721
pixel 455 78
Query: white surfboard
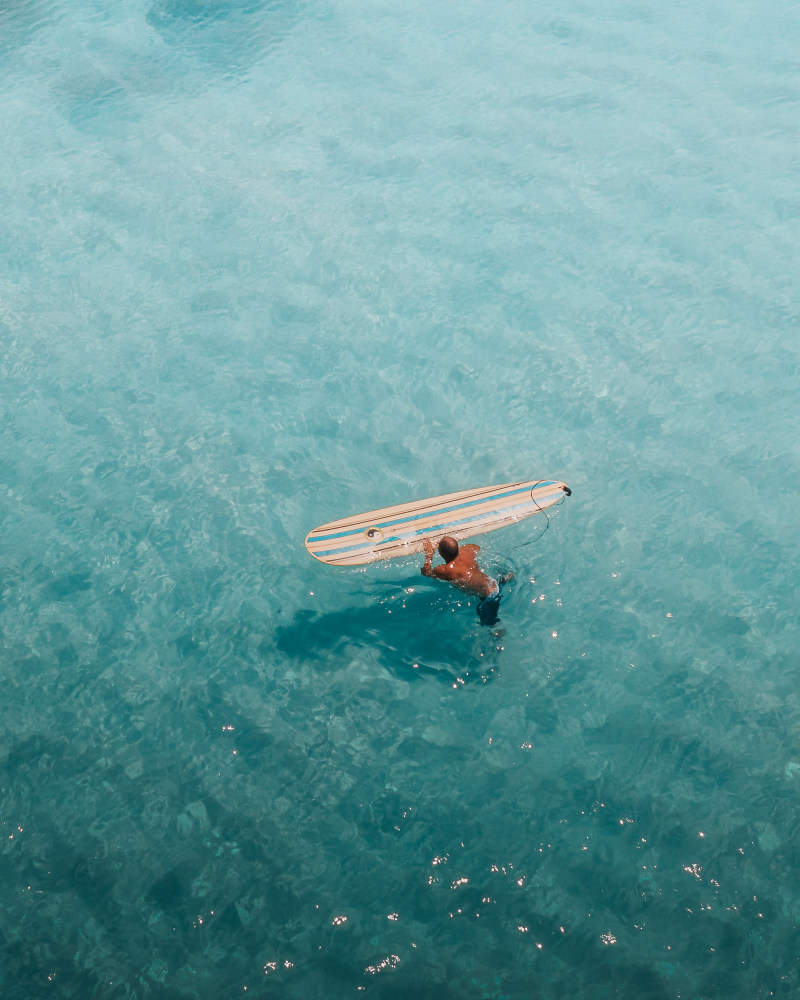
pixel 400 530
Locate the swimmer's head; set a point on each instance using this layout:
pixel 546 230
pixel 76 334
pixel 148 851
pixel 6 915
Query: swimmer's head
pixel 448 548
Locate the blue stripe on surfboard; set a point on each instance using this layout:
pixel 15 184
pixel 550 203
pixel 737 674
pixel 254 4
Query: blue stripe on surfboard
pixel 490 516
pixel 368 546
pixel 417 517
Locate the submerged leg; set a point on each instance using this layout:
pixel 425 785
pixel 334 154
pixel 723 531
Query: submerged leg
pixel 489 610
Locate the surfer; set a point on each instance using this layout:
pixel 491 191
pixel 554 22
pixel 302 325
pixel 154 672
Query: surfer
pixel 462 570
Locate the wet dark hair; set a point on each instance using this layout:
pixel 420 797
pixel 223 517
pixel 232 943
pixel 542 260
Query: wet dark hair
pixel 448 548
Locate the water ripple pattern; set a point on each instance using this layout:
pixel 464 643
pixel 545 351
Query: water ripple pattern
pixel 268 263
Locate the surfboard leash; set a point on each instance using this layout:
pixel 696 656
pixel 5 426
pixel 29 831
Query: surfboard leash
pixel 542 510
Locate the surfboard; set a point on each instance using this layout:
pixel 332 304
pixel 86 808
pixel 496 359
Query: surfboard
pixel 401 530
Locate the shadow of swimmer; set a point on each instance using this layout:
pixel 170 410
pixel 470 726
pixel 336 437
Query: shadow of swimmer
pixel 413 634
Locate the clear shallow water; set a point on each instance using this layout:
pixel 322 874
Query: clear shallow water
pixel 264 264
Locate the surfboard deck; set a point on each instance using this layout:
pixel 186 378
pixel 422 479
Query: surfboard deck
pixel 400 530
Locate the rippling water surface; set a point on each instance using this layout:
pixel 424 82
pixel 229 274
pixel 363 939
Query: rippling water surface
pixel 264 264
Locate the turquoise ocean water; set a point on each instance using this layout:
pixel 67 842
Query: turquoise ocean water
pixel 264 264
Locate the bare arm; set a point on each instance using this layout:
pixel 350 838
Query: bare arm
pixel 427 569
pixel 440 572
